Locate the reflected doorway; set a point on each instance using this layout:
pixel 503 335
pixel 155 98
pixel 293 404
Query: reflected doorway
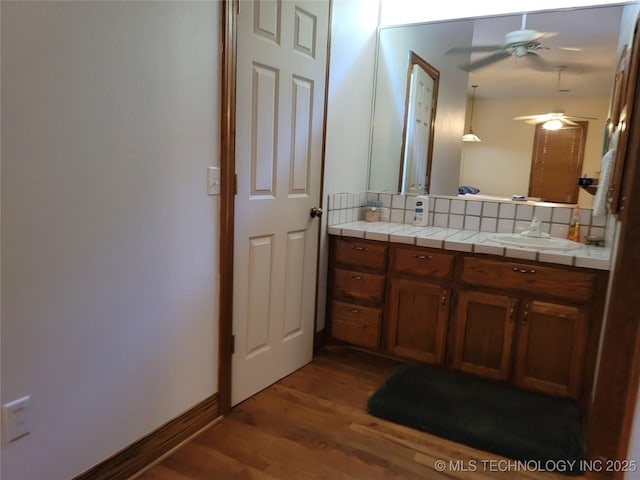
pixel 556 163
pixel 420 112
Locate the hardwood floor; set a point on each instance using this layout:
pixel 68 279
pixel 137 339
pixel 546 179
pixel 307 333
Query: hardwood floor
pixel 313 425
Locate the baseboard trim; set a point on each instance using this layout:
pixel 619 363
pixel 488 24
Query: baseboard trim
pixel 146 451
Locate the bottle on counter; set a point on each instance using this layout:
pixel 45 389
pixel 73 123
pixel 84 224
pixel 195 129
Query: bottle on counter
pixel 573 233
pixel 421 211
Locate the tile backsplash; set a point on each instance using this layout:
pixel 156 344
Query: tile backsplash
pixel 478 215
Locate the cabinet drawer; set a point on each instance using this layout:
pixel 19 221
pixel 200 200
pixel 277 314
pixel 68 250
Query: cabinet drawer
pixel 360 253
pixel 352 285
pixel 571 285
pixel 416 261
pixel 356 324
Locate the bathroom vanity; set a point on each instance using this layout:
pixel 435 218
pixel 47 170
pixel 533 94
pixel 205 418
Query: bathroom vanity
pixel 468 304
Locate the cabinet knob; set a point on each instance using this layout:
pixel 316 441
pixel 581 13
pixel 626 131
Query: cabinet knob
pixel 354 310
pixel 359 248
pixel 523 270
pixel 422 257
pixel 512 311
pixel 357 277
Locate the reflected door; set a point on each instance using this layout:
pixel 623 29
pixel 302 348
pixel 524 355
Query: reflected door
pixel 280 109
pixel 557 163
pixel 418 131
pixel 422 86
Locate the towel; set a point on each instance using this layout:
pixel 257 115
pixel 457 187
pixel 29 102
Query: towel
pixel 606 170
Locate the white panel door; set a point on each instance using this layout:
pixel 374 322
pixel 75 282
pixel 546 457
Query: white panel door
pixel 418 130
pixel 280 110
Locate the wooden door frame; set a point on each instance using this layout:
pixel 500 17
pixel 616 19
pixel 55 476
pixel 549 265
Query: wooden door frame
pixel 415 59
pixel 229 44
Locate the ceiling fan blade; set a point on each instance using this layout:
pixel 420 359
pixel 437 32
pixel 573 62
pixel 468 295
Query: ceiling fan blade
pixel 574 117
pixel 476 48
pixel 545 35
pixel 566 121
pixel 542 117
pixel 488 60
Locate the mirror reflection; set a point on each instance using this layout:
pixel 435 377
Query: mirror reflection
pixel 420 113
pixel 581 41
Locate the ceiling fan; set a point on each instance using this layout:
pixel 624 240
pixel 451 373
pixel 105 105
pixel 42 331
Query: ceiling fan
pixel 518 43
pixel 556 118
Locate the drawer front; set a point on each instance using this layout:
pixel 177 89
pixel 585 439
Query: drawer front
pixel 571 285
pixel 356 324
pixel 360 253
pixel 352 285
pixel 416 261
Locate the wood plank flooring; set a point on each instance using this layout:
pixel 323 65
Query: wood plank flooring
pixel 313 425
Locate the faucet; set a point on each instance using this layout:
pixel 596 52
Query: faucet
pixel 534 229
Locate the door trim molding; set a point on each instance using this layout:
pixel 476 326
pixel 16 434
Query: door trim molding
pixel 227 199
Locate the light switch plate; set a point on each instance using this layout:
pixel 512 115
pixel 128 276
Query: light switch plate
pixel 213 180
pixel 16 418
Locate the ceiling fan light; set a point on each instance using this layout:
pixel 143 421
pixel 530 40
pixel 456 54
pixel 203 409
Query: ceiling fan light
pixel 521 51
pixel 553 124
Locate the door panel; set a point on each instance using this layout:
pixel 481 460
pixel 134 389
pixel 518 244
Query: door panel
pixel 484 333
pixel 418 315
pixel 557 163
pixel 281 69
pixel 551 343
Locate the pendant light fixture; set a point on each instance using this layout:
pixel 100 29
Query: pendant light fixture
pixel 470 136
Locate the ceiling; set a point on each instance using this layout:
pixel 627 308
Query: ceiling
pixel 589 71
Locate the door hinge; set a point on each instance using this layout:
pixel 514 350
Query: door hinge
pixel 233 344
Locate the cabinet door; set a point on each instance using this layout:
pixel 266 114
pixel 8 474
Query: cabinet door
pixel 550 349
pixel 484 334
pixel 418 315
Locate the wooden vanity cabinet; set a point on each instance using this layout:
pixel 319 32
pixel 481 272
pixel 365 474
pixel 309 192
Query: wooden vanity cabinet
pixel 533 331
pixel 357 288
pixel 530 324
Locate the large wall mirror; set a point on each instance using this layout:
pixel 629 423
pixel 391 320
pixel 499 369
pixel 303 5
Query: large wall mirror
pixel 585 41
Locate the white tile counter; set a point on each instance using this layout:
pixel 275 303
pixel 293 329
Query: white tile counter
pixel 470 241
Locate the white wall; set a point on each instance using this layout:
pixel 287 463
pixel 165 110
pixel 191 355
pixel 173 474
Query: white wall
pixel 353 49
pixel 109 241
pixel 501 164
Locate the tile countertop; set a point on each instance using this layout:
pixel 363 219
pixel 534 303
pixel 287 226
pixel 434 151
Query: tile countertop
pixel 470 241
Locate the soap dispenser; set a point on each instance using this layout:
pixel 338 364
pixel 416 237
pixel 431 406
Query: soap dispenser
pixel 573 233
pixel 421 211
